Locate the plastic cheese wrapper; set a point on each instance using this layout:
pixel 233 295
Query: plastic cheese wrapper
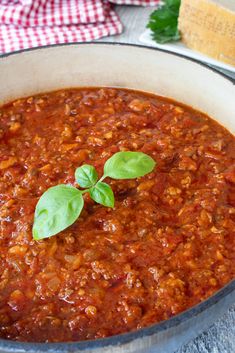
pixel 208 26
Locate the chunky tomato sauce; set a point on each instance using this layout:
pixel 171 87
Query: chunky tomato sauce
pixel 168 244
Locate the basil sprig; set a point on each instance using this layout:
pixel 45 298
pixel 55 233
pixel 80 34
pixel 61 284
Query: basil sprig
pixel 60 206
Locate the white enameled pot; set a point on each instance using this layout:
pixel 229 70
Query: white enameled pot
pixel 76 65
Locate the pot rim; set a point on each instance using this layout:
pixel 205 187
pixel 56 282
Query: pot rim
pixel 205 65
pixel 124 338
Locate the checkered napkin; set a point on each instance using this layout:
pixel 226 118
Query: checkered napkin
pixel 32 23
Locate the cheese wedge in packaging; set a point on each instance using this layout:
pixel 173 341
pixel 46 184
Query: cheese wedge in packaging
pixel 208 26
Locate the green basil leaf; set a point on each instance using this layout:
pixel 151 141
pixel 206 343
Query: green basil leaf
pixel 57 209
pixel 128 165
pixel 86 176
pixel 103 194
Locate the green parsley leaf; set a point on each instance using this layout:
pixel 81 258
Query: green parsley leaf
pixel 164 22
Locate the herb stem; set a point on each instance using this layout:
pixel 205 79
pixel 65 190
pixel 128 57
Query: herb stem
pixel 103 177
pixel 84 191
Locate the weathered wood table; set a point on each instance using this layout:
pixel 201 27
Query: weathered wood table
pixel 219 338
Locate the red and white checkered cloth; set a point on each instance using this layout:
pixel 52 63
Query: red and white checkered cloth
pixel 32 23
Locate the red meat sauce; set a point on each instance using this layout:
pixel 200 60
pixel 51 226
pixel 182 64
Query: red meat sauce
pixel 168 244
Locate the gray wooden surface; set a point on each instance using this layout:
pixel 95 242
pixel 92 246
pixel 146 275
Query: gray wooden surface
pixel 220 338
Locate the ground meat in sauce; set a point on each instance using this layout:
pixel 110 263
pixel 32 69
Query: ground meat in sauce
pixel 169 242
